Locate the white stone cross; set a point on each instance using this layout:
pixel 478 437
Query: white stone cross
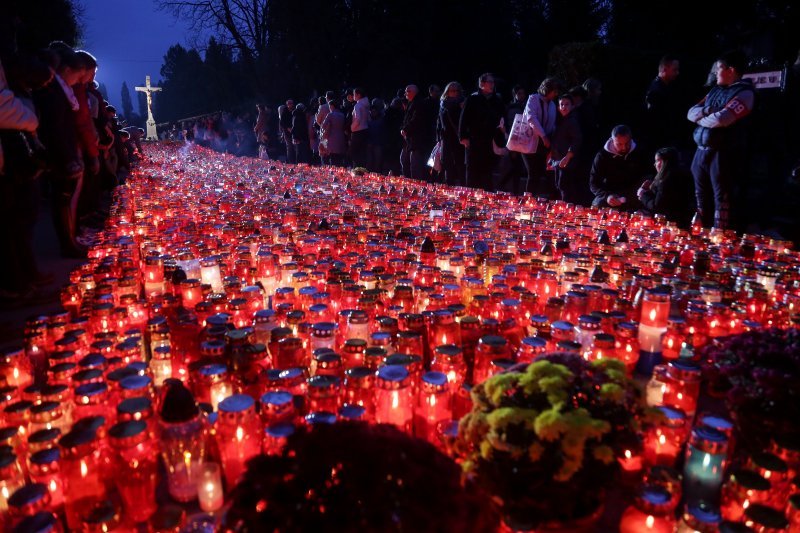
pixel 148 90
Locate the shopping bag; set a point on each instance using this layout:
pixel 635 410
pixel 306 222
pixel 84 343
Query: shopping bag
pixel 522 138
pixel 435 159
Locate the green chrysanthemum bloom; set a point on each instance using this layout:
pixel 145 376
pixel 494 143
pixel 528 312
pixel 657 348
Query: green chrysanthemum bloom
pixel 498 386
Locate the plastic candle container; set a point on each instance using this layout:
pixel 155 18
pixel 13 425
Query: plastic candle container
pixel 136 468
pixel 650 513
pixel 706 458
pixel 238 435
pixel 394 397
pixel 433 405
pixel 209 488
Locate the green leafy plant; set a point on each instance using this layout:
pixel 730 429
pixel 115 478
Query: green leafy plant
pixel 543 438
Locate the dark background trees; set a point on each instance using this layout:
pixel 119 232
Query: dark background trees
pixel 271 50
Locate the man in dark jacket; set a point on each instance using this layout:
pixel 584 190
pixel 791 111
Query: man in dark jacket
pixel 418 134
pixel 617 171
pixel 721 138
pixel 479 123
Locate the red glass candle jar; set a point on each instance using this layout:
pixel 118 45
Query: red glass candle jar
pixel 627 345
pixel 11 477
pixel 26 502
pixel 602 347
pixel 433 405
pixel 359 389
pixel 673 339
pixel 323 393
pixel 530 349
pixel 682 386
pixel 394 397
pixel 44 466
pixel 82 472
pixel 651 512
pixel 92 399
pixel 655 307
pixel 277 407
pixel 663 442
pixel 353 350
pixel 490 347
pixel 275 437
pixel 743 489
pixel 325 362
pixel 764 519
pixel 136 469
pixel 238 435
pixel 213 384
pixel 449 360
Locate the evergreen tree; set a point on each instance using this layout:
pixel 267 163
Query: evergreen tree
pixel 127 104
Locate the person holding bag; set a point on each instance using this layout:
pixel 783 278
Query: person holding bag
pixel 452 152
pixel 540 114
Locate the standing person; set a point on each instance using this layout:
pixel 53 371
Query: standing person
pixel 394 141
pixel 721 139
pixel 663 107
pixel 452 102
pixel 376 138
pixel 511 166
pixel 285 125
pixel 540 112
pixel 19 198
pixel 332 136
pixel 359 128
pixel 58 107
pixel 260 130
pixel 478 126
pixel 300 134
pixel 591 119
pixel 564 148
pixel 418 133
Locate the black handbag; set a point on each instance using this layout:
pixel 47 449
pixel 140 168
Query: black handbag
pixel 25 159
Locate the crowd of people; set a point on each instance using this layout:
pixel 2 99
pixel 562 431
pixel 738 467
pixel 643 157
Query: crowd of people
pixel 58 136
pixel 57 131
pixel 558 149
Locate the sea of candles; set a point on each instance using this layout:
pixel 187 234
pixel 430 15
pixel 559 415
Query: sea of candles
pixel 286 295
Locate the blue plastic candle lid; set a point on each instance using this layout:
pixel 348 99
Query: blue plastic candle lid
pixel 135 382
pixel 280 430
pixel 534 342
pixel 320 417
pixel 46 456
pixel 352 412
pixel 91 389
pixel 236 403
pixel 562 325
pixel 705 513
pixel 392 373
pixel 435 378
pixel 277 397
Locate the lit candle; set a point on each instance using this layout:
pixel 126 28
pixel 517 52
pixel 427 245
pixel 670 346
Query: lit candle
pixel 706 458
pixel 433 405
pixel 238 435
pixel 209 488
pixel 394 397
pixel 651 512
pixel 663 442
pixel 631 464
pixel 135 468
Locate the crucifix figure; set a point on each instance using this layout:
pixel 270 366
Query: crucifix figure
pixel 148 90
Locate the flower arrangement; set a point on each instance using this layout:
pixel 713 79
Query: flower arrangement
pixel 758 373
pixel 543 438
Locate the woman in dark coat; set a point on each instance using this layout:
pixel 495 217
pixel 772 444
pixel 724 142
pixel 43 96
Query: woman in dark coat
pixel 668 193
pixel 452 150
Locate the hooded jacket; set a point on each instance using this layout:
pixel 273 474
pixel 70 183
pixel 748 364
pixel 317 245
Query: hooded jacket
pixel 616 173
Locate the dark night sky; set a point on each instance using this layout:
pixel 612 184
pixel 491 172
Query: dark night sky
pixel 129 39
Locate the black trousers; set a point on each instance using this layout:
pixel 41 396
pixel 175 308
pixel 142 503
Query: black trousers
pixel 480 160
pixel 715 174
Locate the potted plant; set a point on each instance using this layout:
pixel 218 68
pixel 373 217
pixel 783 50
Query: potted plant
pixel 543 439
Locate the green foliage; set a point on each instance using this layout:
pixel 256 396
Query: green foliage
pixel 549 429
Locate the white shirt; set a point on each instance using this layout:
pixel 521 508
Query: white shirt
pixel 360 115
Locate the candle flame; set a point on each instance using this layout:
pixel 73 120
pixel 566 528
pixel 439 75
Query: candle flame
pixel 662 439
pixel 187 460
pixel 653 315
pixel 650 521
pixel 627 454
pixel 209 487
pixel 53 485
pixel 84 469
pixel 395 400
pixel 239 433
